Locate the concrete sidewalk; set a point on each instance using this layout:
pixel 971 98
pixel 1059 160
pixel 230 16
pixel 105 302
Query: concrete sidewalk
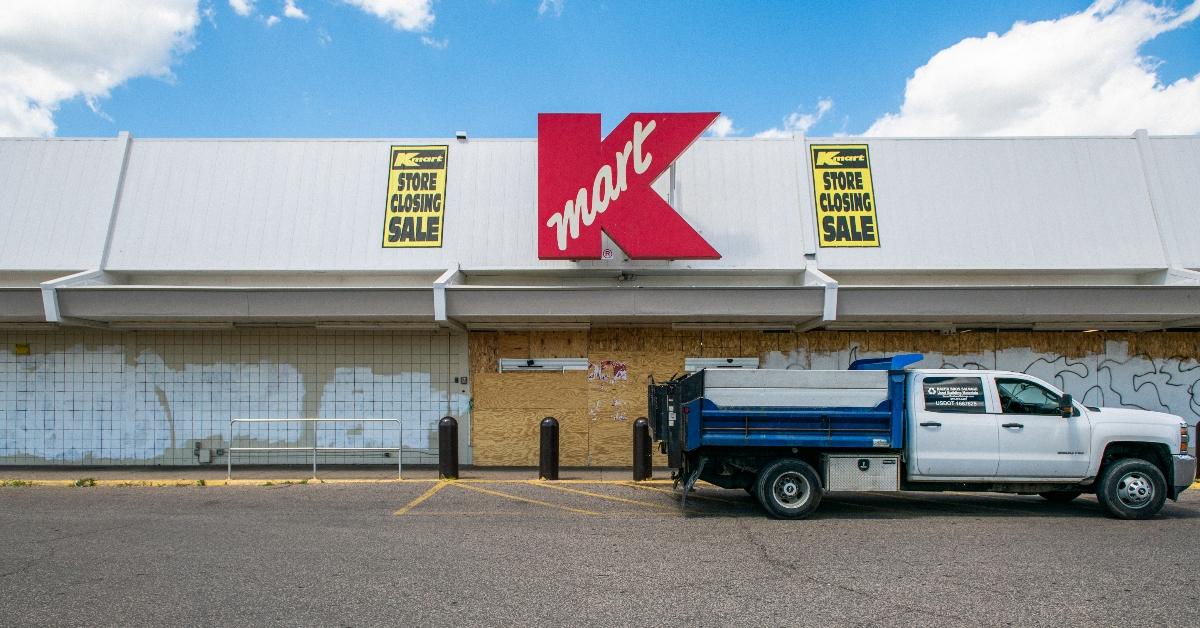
pixel 261 475
pixel 256 475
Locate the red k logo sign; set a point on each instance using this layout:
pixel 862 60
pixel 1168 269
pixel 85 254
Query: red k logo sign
pixel 587 185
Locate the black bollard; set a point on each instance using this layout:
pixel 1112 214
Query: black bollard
pixel 548 461
pixel 448 448
pixel 642 455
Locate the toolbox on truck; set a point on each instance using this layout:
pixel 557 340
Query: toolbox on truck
pixel 860 473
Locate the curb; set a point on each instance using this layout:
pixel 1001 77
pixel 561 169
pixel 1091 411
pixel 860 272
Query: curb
pixel 269 482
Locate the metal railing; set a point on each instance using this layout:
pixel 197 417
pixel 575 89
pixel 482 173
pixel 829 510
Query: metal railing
pixel 315 449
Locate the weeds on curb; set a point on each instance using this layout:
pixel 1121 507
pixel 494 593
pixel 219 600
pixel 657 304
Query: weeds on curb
pixel 15 483
pixel 85 482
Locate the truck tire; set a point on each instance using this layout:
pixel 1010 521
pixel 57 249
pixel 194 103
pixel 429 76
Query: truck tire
pixel 788 489
pixel 1060 497
pixel 1132 488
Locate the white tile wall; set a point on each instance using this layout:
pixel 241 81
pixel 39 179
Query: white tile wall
pixel 147 398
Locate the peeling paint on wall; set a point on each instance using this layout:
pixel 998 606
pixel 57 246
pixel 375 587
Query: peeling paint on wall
pixel 608 371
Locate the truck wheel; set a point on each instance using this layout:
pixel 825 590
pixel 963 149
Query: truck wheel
pixel 1132 488
pixel 788 489
pixel 1060 497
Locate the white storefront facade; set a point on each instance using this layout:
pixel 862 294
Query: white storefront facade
pixel 153 289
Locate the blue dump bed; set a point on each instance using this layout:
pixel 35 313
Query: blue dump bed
pixel 859 408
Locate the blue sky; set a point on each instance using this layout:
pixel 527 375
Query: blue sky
pixel 490 67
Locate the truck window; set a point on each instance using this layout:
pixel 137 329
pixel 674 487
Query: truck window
pixel 960 395
pixel 1021 396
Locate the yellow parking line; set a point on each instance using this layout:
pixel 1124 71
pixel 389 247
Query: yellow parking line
pixel 602 496
pixel 424 496
pixel 690 495
pixel 463 513
pixel 527 500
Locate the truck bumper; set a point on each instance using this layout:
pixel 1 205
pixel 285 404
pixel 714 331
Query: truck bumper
pixel 1185 472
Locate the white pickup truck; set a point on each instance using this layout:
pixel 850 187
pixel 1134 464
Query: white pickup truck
pixel 789 436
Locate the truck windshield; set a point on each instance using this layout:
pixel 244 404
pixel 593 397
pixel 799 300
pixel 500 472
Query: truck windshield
pixel 1021 396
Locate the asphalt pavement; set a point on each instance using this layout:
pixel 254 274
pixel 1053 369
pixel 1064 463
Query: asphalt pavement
pixel 589 552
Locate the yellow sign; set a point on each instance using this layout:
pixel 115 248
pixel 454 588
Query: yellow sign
pixel 844 194
pixel 416 198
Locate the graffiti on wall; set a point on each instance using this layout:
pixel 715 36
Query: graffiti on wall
pixel 1114 378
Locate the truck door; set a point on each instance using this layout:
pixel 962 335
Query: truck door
pixel 1035 441
pixel 951 433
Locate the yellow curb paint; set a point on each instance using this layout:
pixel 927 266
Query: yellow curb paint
pixel 602 496
pixel 424 496
pixel 527 500
pixel 130 483
pixel 690 496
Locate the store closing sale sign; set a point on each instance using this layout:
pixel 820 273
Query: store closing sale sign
pixel 416 198
pixel 844 195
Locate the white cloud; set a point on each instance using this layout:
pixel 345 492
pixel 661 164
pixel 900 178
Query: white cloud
pixel 723 127
pixel 798 122
pixel 291 10
pixel 323 37
pixel 1079 74
pixel 51 52
pixel 551 6
pixel 242 7
pixel 404 15
pixel 271 20
pixel 439 44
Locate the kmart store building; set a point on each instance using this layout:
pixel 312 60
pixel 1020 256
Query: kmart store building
pixel 151 290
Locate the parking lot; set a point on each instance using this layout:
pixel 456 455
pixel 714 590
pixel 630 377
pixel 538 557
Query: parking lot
pixel 579 552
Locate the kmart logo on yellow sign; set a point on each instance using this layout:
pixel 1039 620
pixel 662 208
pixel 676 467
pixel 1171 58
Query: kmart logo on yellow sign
pixel 844 195
pixel 416 197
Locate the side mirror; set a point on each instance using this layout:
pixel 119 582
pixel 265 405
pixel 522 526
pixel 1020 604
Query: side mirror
pixel 1065 406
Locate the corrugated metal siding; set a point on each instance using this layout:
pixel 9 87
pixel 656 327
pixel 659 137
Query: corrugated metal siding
pixel 1016 204
pixel 261 206
pixel 55 200
pixel 746 197
pixel 1177 160
pixel 319 205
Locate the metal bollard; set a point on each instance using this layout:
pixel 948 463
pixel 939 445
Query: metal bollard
pixel 548 460
pixel 448 448
pixel 642 455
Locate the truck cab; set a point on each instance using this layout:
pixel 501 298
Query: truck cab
pixel 998 427
pixel 790 436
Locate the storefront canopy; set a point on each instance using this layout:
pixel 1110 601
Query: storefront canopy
pixel 1062 233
